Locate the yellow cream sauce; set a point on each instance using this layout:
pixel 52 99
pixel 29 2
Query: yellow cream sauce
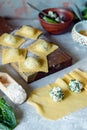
pixel 83 32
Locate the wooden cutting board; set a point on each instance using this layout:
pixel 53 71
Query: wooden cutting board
pixel 4 26
pixel 56 61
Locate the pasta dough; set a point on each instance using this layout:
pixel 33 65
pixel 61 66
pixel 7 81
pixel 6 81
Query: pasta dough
pixel 28 32
pixel 13 55
pixel 42 47
pixel 46 107
pixel 11 41
pixel 34 64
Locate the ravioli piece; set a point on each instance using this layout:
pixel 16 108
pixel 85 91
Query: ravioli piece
pixel 34 64
pixel 10 40
pixel 29 32
pixel 42 47
pixel 10 55
pixel 46 107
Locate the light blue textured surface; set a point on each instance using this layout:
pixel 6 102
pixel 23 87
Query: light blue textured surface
pixel 18 8
pixel 27 116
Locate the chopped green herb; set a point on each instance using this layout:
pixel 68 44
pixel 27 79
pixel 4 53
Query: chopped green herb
pixel 49 20
pixel 53 18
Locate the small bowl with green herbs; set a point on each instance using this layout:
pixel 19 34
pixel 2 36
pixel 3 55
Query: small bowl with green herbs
pixel 57 21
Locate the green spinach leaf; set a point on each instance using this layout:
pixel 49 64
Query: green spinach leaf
pixel 3 127
pixel 7 115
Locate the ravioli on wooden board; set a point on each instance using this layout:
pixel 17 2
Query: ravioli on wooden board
pixel 42 47
pixel 34 64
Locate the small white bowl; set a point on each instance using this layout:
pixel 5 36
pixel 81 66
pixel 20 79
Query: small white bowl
pixel 77 37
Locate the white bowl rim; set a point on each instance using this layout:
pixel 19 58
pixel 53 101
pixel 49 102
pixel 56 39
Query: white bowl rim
pixel 84 21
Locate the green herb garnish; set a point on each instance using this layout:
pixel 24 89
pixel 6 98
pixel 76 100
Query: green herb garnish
pixel 49 20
